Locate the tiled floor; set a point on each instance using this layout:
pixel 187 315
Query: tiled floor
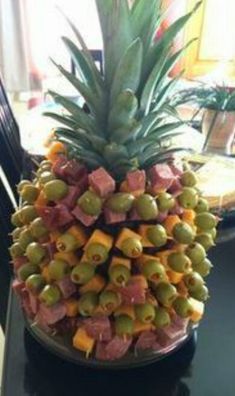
pixel 1 354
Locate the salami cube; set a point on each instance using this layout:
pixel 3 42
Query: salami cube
pixel 136 180
pixel 83 217
pixel 112 217
pixel 101 181
pixel 161 177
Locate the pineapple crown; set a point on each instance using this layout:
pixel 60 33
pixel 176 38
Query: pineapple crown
pixel 128 108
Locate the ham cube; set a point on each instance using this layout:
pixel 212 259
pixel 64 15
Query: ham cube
pixel 19 261
pixel 64 216
pixel 51 249
pixel 133 215
pixel 102 182
pixel 49 216
pixel 66 287
pixel 82 184
pixel 26 304
pixel 83 217
pixel 146 340
pixel 112 217
pixel 34 303
pixel 133 293
pixel 161 217
pixel 161 177
pixel 18 287
pixel 176 187
pixel 58 166
pixel 136 180
pixel 117 347
pixel 51 315
pixel 73 171
pixel 100 352
pixel 177 209
pixel 71 198
pixel 98 328
pixel 176 168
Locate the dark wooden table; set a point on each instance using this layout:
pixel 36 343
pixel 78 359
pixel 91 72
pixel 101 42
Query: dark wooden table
pixel 31 371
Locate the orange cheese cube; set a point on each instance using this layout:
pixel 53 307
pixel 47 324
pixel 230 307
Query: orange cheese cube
pixel 120 261
pixel 69 257
pixel 127 310
pixel 182 289
pixel 170 222
pixel 124 188
pixel 139 327
pixel 96 284
pixel 174 277
pixel 78 232
pixel 143 232
pixel 163 256
pixel 54 235
pixel 41 200
pixel 125 234
pixel 45 274
pixel 141 280
pixel 188 216
pixel 71 307
pixel 102 238
pixel 198 310
pixel 83 341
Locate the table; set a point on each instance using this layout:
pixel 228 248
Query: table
pixel 31 371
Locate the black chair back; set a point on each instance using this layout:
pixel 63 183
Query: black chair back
pixel 11 158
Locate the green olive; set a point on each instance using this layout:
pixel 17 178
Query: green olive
pixel 55 190
pixel 97 253
pixel 166 293
pixel 50 295
pixel 35 283
pixel 16 233
pixel 200 294
pixel 146 207
pixel 124 326
pixel 205 240
pixel 154 271
pixel 202 206
pixel 119 274
pixel 58 269
pixel 22 184
pixel 193 281
pixel 26 270
pixel 67 243
pixel 38 228
pixel 183 233
pixel 35 252
pixel 88 303
pixel 45 177
pixel 165 201
pixel 45 164
pixel 212 232
pixel 82 273
pixel 183 307
pixel 27 214
pixel 179 262
pixel 25 239
pixel 195 252
pixel 145 312
pixel 109 300
pixel 162 318
pixel 16 250
pixel 29 193
pixel 157 235
pixel 188 179
pixel 188 199
pixel 132 247
pixel 90 203
pixel 203 267
pixel 120 202
pixel 205 221
pixel 16 219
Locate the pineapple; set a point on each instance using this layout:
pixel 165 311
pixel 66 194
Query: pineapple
pixel 107 221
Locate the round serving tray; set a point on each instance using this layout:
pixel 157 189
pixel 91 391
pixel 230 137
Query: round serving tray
pixel 62 348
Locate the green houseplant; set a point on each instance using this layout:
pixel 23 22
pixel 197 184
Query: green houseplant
pixel 218 123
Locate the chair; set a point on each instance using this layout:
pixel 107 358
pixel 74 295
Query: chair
pixel 11 160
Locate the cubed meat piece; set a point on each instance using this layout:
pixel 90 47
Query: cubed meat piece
pixel 177 209
pixel 133 215
pixel 71 198
pixel 161 217
pixel 101 181
pixel 19 261
pixel 117 347
pixel 133 293
pixel 146 340
pixel 34 303
pixel 51 249
pixel 64 216
pixel 112 217
pixel 98 328
pixel 58 167
pixel 66 287
pixel 176 187
pixel 51 315
pixel 83 217
pixel 176 168
pixel 136 180
pixel 49 216
pixel 161 177
pixel 18 286
pixel 73 171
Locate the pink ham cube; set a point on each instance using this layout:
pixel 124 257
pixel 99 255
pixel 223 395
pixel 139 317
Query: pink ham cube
pixel 136 180
pixel 19 261
pixel 102 182
pixel 64 216
pixel 51 315
pixel 133 215
pixel 176 187
pixel 161 177
pixel 73 171
pixel 18 287
pixel 83 217
pixel 146 340
pixel 58 166
pixel 34 303
pixel 49 216
pixel 176 168
pixel 66 287
pixel 112 217
pixel 71 198
pixel 99 328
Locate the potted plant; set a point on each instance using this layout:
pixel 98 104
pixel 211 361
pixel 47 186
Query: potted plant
pixel 218 122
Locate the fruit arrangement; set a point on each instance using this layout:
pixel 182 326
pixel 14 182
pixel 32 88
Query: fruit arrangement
pixel 116 265
pixel 111 236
